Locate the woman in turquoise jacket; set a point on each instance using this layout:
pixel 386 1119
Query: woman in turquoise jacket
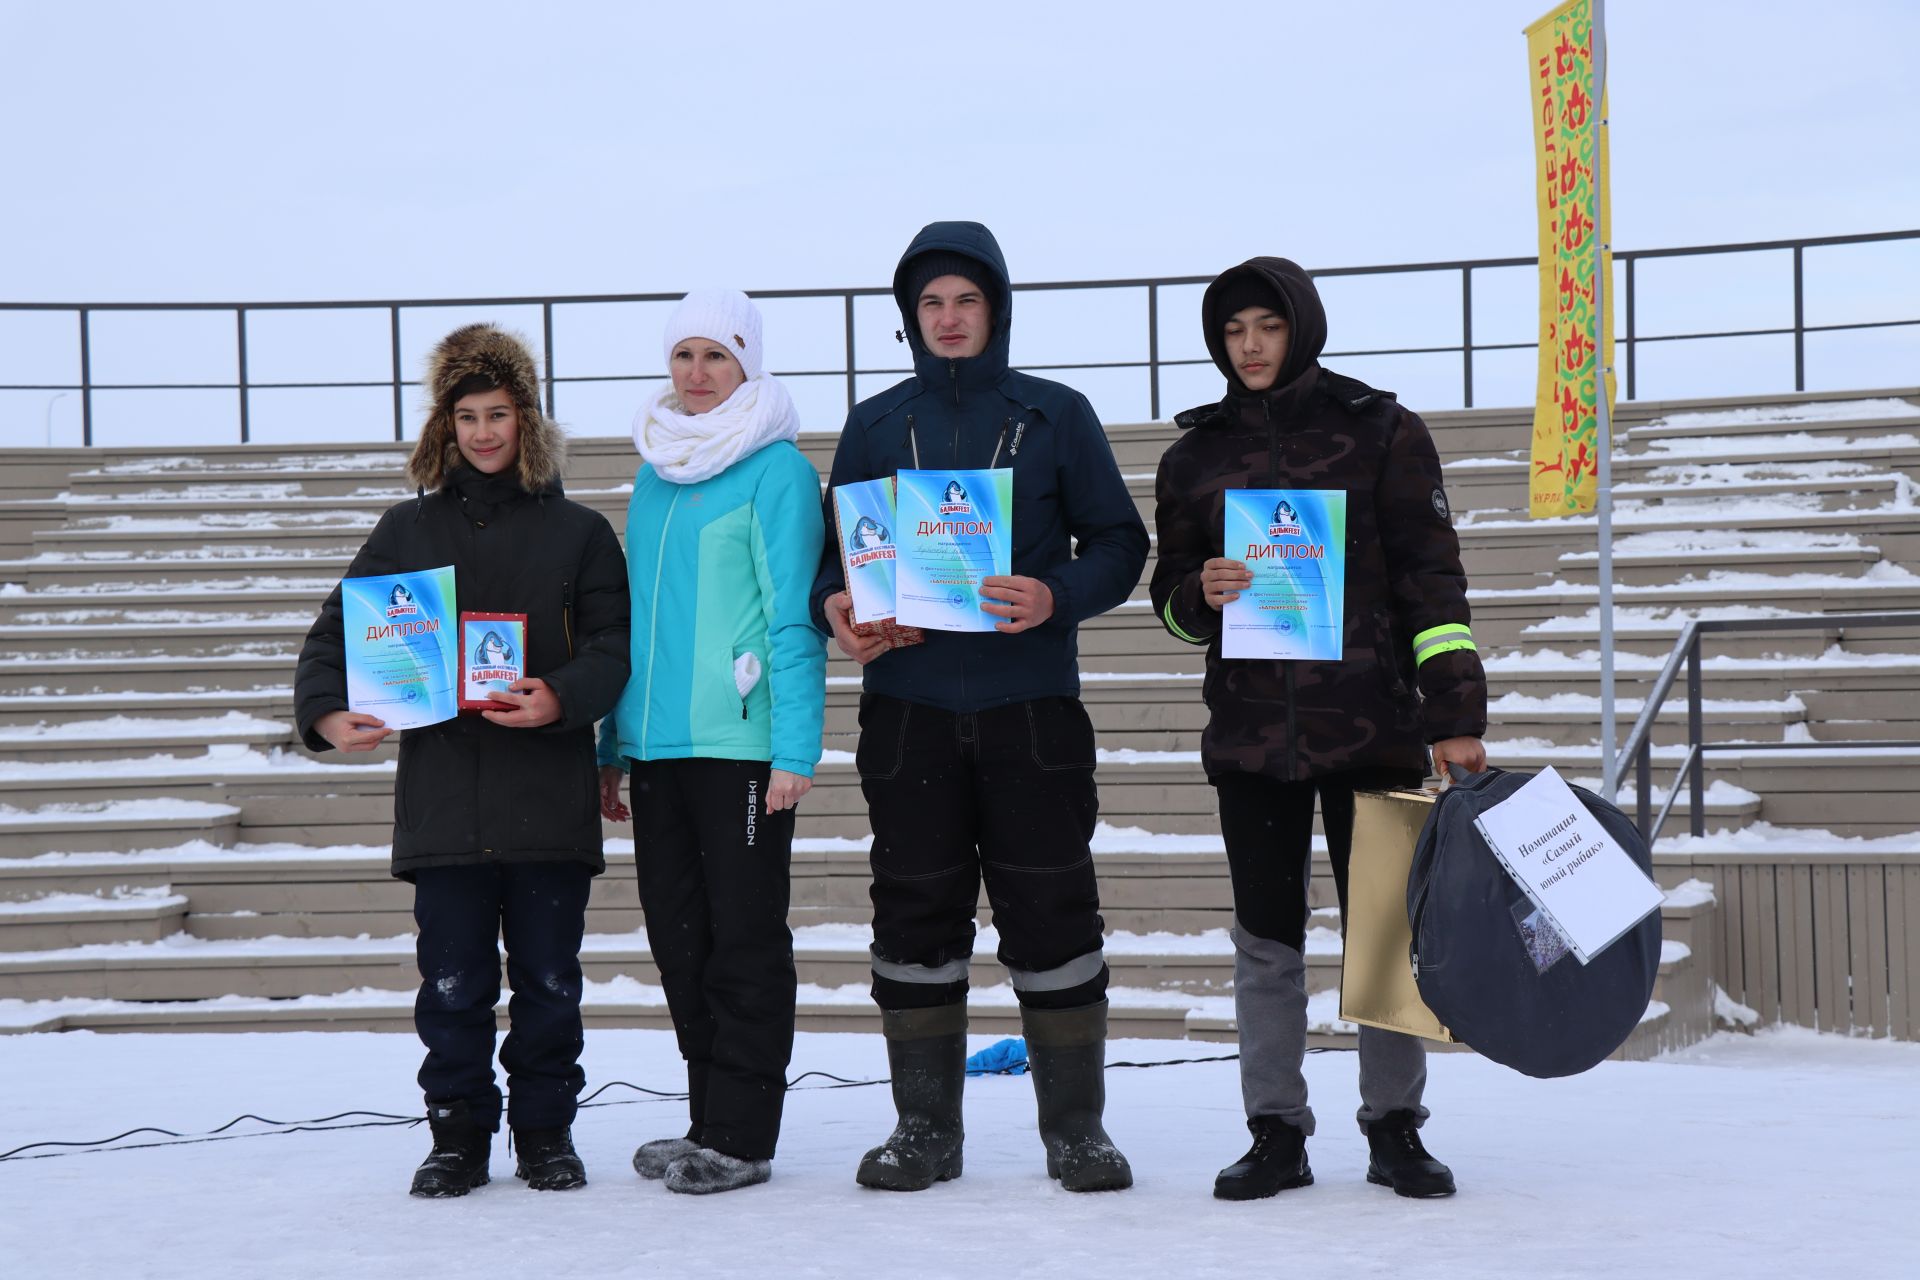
pixel 719 726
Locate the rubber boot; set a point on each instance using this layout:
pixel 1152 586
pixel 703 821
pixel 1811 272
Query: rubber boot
pixel 461 1147
pixel 1398 1159
pixel 547 1160
pixel 1067 1055
pixel 927 1052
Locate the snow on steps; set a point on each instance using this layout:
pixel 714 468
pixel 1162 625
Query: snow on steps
pixel 21 710
pixel 107 825
pixel 56 920
pixel 1161 790
pixel 117 737
pixel 1164 985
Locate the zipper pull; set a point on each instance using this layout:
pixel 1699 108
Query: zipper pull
pixel 743 708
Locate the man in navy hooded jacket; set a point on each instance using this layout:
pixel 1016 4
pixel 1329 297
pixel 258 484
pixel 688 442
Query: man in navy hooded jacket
pixel 976 756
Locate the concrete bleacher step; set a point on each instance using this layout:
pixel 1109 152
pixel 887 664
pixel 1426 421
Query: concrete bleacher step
pixel 98 826
pixel 22 709
pixel 623 1005
pixel 58 920
pixel 1568 719
pixel 1860 419
pixel 118 737
pixel 1499 483
pixel 157 639
pixel 1641 632
pixel 217 507
pixel 99 676
pixel 1636 566
pixel 21 519
pixel 135 604
pixel 1887 588
pixel 1187 992
pixel 1830 489
pixel 829 956
pixel 232 567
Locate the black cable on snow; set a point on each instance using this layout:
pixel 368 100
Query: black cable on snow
pixel 383 1120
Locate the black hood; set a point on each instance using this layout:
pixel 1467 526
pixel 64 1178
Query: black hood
pixel 974 241
pixel 1299 301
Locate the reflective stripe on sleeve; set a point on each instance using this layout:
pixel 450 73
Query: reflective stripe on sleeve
pixel 1176 628
pixel 1442 639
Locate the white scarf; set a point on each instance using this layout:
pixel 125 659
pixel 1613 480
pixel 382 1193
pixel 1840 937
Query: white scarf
pixel 687 448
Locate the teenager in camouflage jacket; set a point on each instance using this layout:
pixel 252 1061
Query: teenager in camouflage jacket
pixel 1283 735
pixel 1410 674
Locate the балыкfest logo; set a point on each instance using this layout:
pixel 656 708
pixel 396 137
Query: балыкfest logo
pixel 870 541
pixel 1286 521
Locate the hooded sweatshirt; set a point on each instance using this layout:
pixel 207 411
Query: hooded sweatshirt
pixel 1409 673
pixel 975 413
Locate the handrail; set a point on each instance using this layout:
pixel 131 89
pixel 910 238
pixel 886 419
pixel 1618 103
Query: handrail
pixel 851 369
pixel 1638 746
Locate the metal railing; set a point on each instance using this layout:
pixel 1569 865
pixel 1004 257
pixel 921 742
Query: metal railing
pixel 1639 744
pixel 1628 338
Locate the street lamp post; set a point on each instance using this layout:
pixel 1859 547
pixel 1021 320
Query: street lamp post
pixel 50 399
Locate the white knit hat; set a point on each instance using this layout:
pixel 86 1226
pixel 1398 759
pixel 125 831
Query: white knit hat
pixel 725 316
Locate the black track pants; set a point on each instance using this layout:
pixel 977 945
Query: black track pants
pixel 714 882
pixel 1268 829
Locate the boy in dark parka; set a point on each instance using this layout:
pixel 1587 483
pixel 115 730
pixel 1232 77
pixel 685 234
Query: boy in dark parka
pixel 496 813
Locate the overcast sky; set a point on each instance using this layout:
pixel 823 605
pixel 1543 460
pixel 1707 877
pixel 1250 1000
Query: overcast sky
pixel 349 149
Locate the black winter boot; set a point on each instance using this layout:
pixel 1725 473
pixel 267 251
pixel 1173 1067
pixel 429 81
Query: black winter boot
pixel 1067 1055
pixel 461 1146
pixel 1276 1162
pixel 927 1051
pixel 547 1160
pixel 1401 1162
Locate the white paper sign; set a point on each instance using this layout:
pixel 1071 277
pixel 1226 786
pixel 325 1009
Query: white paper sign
pixel 1589 886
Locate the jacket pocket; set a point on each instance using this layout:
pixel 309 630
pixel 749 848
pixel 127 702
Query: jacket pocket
pixel 883 737
pixel 1060 733
pixel 747 672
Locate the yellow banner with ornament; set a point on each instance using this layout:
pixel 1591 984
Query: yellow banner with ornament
pixel 1576 338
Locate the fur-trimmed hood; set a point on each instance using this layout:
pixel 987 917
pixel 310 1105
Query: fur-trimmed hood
pixel 505 361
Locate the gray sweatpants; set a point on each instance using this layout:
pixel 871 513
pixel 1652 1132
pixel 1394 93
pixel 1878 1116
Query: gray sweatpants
pixel 1270 1003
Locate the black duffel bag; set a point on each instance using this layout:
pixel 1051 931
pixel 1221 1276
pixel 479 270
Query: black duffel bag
pixel 1472 963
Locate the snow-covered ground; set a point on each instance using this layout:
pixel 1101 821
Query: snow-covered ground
pixel 1785 1153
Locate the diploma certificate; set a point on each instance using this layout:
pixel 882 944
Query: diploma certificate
pixel 402 647
pixel 1295 542
pixel 953 528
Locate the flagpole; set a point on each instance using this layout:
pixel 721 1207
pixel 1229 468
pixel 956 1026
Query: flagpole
pixel 1609 771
